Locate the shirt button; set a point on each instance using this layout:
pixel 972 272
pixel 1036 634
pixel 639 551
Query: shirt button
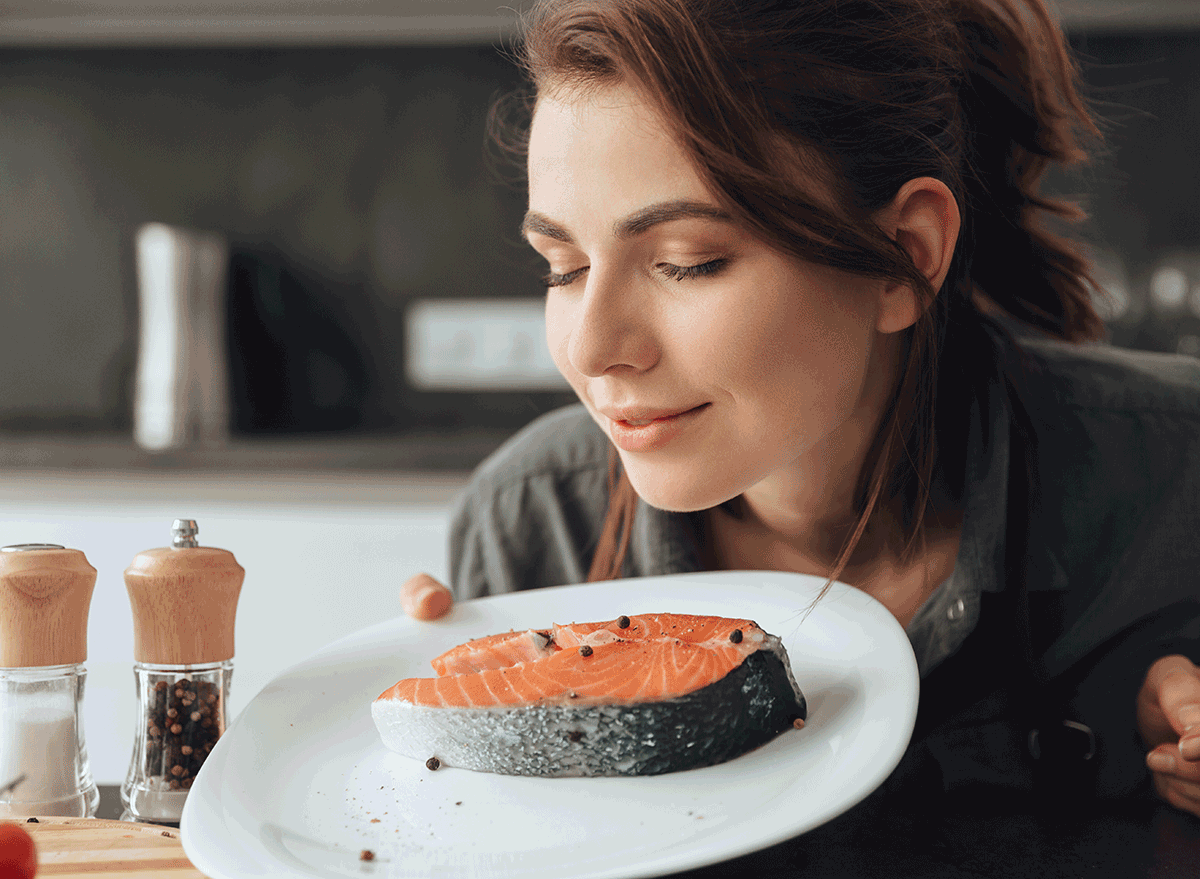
pixel 956 611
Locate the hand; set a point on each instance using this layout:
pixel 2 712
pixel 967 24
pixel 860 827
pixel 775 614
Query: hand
pixel 424 598
pixel 1168 718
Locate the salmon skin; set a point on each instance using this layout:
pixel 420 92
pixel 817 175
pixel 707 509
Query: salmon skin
pixel 638 695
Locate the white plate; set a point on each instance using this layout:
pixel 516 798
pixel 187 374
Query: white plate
pixel 300 783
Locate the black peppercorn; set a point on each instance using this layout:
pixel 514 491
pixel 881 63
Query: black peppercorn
pixel 585 650
pixel 736 636
pixel 433 764
pixel 178 737
pixel 623 622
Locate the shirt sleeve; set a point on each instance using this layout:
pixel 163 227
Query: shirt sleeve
pixel 1107 682
pixel 477 565
pixel 536 532
pixel 531 513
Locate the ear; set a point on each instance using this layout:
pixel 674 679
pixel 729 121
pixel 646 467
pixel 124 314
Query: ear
pixel 923 218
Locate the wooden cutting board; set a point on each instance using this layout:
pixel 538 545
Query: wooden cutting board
pixel 84 848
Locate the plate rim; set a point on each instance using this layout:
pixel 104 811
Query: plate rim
pixel 198 812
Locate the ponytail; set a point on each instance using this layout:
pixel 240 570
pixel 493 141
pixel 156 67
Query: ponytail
pixel 1023 111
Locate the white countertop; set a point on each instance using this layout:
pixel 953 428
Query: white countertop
pixel 324 553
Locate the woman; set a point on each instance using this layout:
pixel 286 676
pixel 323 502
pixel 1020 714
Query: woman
pixel 800 280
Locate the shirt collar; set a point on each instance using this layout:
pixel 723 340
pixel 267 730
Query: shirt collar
pixel 982 542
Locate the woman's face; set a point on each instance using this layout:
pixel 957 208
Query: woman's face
pixel 712 361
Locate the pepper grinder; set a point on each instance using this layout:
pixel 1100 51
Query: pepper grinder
pixel 184 600
pixel 45 596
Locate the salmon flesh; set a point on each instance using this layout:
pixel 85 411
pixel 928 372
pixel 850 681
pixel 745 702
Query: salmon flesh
pixel 638 695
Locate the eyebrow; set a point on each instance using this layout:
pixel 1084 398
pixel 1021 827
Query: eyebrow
pixel 634 224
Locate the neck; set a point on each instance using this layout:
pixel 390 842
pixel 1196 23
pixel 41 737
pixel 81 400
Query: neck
pixel 810 505
pixel 788 537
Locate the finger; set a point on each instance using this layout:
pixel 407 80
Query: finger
pixel 1182 795
pixel 424 598
pixel 1186 789
pixel 1174 683
pixel 1182 803
pixel 1189 746
pixel 1166 760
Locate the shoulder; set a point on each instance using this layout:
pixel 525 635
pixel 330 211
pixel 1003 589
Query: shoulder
pixel 1103 378
pixel 1110 415
pixel 558 444
pixel 1117 463
pixel 531 512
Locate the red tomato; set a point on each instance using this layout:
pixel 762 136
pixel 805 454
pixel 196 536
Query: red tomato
pixel 18 856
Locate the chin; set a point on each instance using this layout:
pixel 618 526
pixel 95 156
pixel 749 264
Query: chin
pixel 677 493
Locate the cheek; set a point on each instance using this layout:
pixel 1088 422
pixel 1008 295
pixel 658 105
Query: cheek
pixel 787 342
pixel 558 336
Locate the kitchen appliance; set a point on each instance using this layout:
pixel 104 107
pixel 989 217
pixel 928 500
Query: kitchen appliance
pixel 181 394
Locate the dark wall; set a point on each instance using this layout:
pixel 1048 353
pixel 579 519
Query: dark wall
pixel 358 178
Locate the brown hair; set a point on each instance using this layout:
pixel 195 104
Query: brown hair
pixel 980 94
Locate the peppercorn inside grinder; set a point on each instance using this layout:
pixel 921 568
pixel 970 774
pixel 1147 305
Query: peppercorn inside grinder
pixel 184 600
pixel 45 596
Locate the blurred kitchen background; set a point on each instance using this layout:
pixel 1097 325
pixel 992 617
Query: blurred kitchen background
pixel 339 148
pixel 371 328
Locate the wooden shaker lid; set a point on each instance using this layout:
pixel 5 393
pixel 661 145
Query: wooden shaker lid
pixel 184 601
pixel 45 597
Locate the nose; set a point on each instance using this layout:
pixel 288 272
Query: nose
pixel 611 327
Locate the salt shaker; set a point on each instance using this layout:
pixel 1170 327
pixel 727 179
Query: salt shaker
pixel 184 600
pixel 45 597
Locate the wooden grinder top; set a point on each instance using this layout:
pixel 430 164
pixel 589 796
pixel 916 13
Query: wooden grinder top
pixel 45 596
pixel 184 601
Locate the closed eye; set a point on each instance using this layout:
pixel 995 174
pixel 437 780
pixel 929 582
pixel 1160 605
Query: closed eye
pixel 556 280
pixel 684 273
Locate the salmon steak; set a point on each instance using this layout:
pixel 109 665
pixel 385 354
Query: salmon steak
pixel 638 695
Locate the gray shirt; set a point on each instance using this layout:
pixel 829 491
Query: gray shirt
pixel 1112 525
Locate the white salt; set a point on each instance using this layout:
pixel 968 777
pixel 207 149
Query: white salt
pixel 39 740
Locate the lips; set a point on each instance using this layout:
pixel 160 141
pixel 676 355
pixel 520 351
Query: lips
pixel 643 429
pixel 638 417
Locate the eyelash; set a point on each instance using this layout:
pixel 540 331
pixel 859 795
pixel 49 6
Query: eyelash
pixel 553 280
pixel 684 273
pixel 673 272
